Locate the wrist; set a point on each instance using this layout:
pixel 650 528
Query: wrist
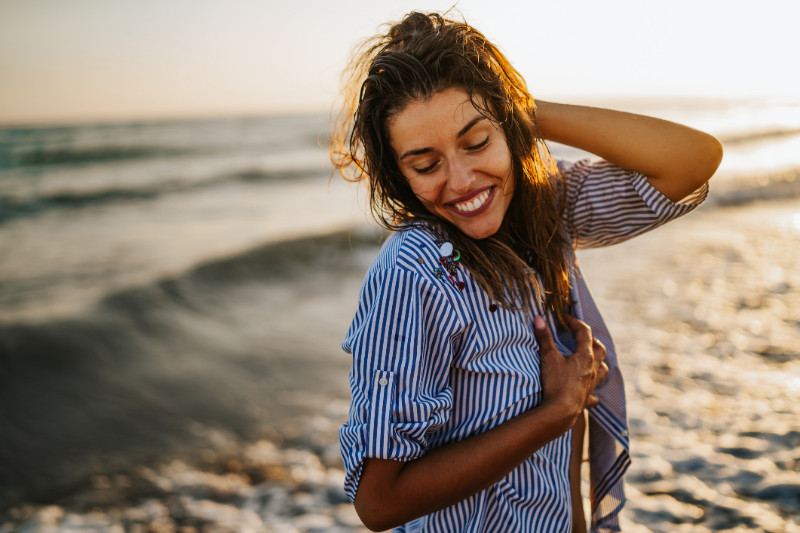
pixel 560 414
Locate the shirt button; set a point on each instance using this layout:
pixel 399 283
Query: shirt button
pixel 624 432
pixel 383 382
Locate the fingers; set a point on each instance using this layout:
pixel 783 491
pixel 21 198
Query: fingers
pixel 585 343
pixel 599 352
pixel 577 326
pixel 581 331
pixel 580 373
pixel 598 349
pixel 543 335
pixel 591 401
pixel 602 373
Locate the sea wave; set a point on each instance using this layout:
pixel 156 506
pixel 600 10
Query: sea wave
pixel 108 142
pixel 156 369
pixel 754 187
pixel 15 203
pixel 39 156
pixel 757 135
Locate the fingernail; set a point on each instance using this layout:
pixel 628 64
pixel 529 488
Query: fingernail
pixel 538 322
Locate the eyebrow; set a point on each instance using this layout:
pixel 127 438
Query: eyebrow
pixel 468 127
pixel 463 131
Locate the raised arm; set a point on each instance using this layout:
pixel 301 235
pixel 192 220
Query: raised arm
pixel 391 493
pixel 675 158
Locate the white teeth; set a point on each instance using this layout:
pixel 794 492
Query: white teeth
pixel 473 204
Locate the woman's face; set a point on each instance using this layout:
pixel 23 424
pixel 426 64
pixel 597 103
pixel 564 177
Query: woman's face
pixel 456 161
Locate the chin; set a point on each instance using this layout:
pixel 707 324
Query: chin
pixel 480 233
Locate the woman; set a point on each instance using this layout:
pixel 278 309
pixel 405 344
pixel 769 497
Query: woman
pixel 465 416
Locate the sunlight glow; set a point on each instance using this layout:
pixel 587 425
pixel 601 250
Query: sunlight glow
pixel 117 59
pixel 796 222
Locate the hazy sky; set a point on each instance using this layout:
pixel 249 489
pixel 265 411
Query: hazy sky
pixel 104 59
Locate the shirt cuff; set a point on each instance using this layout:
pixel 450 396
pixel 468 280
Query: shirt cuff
pixel 664 208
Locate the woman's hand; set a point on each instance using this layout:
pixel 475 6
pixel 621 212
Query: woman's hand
pixel 570 381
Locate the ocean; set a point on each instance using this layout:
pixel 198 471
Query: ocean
pixel 181 285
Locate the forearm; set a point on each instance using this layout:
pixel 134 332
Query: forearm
pixel 392 493
pixel 676 159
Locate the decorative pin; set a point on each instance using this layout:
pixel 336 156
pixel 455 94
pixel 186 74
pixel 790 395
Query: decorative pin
pixel 448 261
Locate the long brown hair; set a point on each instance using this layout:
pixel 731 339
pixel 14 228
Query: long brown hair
pixel 416 58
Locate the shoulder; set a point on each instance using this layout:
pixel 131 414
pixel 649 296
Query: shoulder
pixel 401 288
pixel 408 264
pixel 413 249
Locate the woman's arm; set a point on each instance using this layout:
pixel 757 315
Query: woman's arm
pixel 676 159
pixel 391 493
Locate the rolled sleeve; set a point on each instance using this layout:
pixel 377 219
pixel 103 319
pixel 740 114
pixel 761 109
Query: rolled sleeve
pixel 608 205
pixel 401 340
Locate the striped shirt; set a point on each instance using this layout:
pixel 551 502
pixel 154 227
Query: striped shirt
pixel 434 363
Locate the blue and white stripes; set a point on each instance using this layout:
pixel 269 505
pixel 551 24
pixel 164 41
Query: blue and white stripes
pixel 608 205
pixel 434 364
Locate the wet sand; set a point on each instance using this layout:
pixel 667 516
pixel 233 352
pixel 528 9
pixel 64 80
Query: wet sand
pixel 706 317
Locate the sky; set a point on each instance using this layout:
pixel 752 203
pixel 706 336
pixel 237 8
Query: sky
pixel 82 60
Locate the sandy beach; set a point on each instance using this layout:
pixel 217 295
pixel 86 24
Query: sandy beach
pixel 705 316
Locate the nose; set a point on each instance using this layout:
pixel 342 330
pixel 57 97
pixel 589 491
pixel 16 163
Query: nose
pixel 461 176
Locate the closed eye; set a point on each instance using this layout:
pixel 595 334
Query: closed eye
pixel 426 169
pixel 478 146
pixel 473 148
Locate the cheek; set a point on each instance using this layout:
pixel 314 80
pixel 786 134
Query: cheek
pixel 501 160
pixel 424 189
pixel 415 185
pixel 508 162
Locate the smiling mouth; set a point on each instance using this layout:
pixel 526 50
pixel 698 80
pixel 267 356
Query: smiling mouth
pixel 473 205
